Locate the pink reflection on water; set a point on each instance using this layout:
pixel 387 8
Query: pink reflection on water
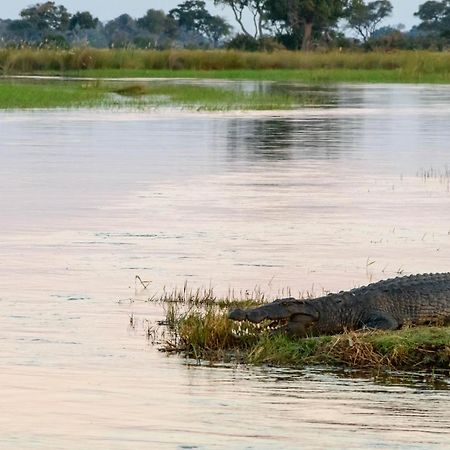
pixel 336 200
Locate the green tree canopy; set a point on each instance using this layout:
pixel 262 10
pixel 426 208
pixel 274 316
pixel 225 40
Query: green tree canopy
pixel 302 16
pixel 121 31
pixel 435 17
pixel 192 16
pixel 364 17
pixel 46 17
pixel 158 28
pixel 154 21
pixel 83 21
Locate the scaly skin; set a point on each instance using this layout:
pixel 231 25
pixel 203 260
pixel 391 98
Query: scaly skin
pixel 388 304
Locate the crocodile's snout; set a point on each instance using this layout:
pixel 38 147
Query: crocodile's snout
pixel 238 314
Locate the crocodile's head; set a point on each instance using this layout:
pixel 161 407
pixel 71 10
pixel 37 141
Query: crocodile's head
pixel 295 317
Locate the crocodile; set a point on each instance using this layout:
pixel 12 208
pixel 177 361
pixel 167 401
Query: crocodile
pixel 388 304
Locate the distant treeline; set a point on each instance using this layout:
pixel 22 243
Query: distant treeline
pixel 276 24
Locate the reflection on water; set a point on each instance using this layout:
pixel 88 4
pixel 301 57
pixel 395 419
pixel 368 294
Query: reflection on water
pixel 319 199
pixel 281 139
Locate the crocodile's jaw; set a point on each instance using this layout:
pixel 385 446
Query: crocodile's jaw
pixel 295 317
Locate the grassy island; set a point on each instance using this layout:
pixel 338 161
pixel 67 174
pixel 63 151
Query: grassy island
pixel 24 94
pixel 203 331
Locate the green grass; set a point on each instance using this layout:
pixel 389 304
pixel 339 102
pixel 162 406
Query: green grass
pixel 99 94
pixel 314 67
pixel 206 333
pixel 44 95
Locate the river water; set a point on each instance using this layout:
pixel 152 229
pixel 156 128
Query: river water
pixel 310 200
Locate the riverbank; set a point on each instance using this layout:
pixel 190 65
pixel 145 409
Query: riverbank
pixel 330 67
pixel 205 333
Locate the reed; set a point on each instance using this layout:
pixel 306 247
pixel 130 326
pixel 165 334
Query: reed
pixel 396 66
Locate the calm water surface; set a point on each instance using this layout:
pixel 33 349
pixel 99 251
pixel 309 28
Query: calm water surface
pixel 320 199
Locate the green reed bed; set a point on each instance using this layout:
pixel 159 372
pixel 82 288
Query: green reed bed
pixel 97 94
pixel 396 66
pixel 204 332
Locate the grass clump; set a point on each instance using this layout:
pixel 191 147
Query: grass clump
pixel 414 347
pixel 206 333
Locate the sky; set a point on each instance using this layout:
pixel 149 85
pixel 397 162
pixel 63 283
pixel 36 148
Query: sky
pixel 109 9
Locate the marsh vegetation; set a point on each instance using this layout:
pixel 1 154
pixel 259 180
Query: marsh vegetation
pixel 334 66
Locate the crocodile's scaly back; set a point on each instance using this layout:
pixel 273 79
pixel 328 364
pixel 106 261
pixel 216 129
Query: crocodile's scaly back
pixel 389 303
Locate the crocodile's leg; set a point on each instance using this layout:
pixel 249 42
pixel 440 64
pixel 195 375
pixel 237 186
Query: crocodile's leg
pixel 381 320
pixel 298 325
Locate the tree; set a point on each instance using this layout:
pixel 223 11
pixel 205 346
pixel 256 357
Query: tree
pixel 121 31
pixel 154 21
pixel 21 30
pixel 217 29
pixel 364 17
pixel 255 7
pixel 301 17
pixel 83 21
pixel 46 17
pixel 193 17
pixel 82 27
pixel 435 17
pixel 156 30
